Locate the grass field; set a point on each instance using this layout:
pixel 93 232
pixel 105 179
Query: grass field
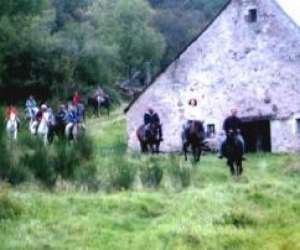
pixel 190 207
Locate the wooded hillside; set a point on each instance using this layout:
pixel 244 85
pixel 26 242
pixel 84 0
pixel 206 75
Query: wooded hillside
pixel 53 46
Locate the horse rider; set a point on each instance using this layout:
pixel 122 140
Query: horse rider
pixel 38 117
pixel 151 117
pixel 76 98
pixel 192 114
pixel 12 110
pixel 72 118
pixel 232 124
pixel 62 114
pixel 31 106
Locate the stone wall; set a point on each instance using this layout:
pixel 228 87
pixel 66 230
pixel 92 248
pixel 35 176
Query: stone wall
pixel 285 137
pixel 252 66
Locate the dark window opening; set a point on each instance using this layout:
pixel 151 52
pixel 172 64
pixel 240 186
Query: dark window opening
pixel 211 130
pixel 257 136
pixel 298 126
pixel 252 16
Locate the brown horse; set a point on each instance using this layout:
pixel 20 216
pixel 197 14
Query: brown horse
pixel 195 139
pixel 151 140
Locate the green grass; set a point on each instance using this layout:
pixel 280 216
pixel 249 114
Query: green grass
pixel 190 207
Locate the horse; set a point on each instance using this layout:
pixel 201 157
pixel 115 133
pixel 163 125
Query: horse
pixel 12 126
pixel 151 140
pixel 56 129
pixel 195 139
pixel 233 151
pixel 100 102
pixel 44 127
pixel 76 131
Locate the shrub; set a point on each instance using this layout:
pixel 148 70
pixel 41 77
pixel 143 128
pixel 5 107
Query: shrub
pixel 121 174
pixel 151 174
pixel 41 163
pixel 9 208
pixel 179 172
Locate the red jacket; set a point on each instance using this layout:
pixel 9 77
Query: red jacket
pixel 10 110
pixel 76 99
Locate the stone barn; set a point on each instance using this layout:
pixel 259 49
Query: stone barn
pixel 247 57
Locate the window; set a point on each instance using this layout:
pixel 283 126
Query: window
pixel 211 130
pixel 298 126
pixel 252 16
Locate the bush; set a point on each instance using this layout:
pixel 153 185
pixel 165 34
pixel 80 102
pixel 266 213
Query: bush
pixel 30 158
pixel 121 174
pixel 151 174
pixel 41 163
pixel 9 209
pixel 180 172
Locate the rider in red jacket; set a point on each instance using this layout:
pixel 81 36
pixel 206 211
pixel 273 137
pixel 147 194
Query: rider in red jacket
pixel 76 98
pixel 10 110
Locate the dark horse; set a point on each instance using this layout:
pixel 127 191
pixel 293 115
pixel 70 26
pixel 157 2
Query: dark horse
pixel 58 129
pixel 151 140
pixel 233 151
pixel 195 139
pixel 100 102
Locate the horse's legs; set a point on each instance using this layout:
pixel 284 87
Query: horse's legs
pixel 195 153
pixel 185 151
pixel 199 154
pixel 240 167
pixel 157 148
pixel 231 166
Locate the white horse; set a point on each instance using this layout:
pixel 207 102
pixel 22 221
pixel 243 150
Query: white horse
pixel 12 126
pixel 44 127
pixel 74 131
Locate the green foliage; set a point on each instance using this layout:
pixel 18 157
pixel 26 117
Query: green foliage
pixel 63 44
pixel 29 159
pixel 181 21
pixel 9 208
pixel 121 174
pixel 151 174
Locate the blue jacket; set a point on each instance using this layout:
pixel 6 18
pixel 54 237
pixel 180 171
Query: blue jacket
pixel 72 117
pixel 31 103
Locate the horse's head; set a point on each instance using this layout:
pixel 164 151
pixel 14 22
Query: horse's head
pixel 154 131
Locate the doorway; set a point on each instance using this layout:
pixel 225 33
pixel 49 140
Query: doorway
pixel 257 136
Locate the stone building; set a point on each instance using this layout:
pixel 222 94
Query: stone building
pixel 248 57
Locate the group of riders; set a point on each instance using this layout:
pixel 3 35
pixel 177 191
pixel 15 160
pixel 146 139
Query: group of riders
pixel 63 121
pixel 232 126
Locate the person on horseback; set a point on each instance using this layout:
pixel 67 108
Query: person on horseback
pixel 232 124
pixel 72 118
pixel 62 113
pixel 76 98
pixel 31 107
pixel 12 110
pixel 38 118
pixel 151 117
pixel 192 114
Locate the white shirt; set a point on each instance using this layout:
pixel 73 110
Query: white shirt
pixel 192 113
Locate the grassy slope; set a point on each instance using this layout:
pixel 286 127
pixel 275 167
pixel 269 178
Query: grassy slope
pixel 259 211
